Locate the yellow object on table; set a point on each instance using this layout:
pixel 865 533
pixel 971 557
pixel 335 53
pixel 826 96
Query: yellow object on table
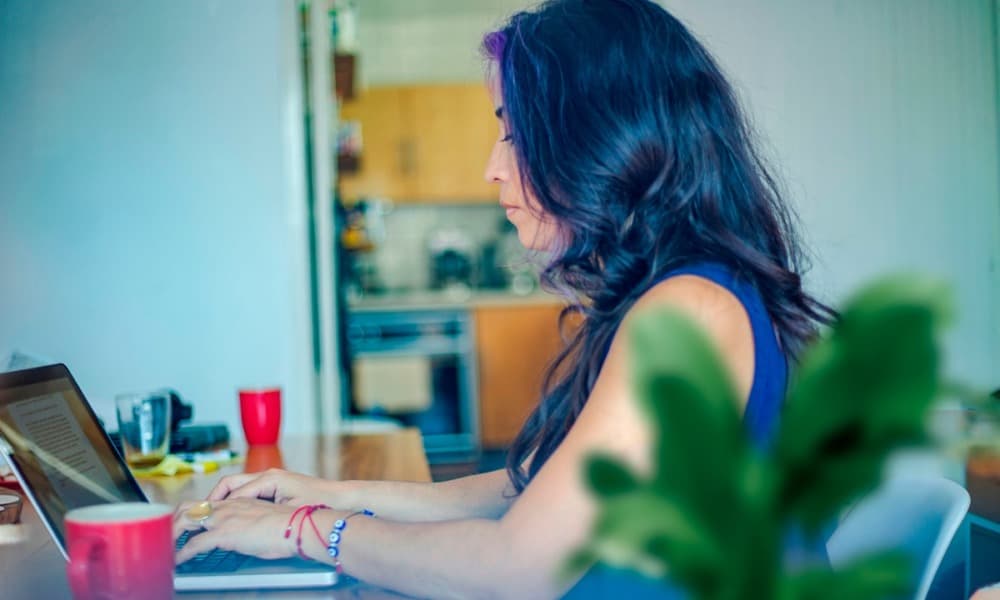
pixel 172 465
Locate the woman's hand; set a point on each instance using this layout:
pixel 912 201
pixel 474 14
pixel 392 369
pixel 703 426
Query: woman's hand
pixel 281 487
pixel 247 526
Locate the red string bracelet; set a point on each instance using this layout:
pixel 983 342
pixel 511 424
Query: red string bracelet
pixel 309 515
pixel 309 510
pixel 288 528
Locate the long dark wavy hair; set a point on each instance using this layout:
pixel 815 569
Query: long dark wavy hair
pixel 631 139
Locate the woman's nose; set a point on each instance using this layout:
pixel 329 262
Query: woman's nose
pixel 496 170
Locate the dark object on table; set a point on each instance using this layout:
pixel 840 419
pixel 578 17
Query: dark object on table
pixel 194 438
pixel 189 438
pixel 179 411
pixel 185 438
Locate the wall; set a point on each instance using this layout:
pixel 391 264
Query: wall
pixel 883 118
pixel 152 212
pixel 880 114
pixel 402 256
pixel 430 41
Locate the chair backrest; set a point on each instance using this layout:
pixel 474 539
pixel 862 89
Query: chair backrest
pixel 918 515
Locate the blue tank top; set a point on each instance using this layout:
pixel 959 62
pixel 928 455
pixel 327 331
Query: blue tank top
pixel 763 409
pixel 770 371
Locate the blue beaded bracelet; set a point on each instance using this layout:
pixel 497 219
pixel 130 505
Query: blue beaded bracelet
pixel 333 548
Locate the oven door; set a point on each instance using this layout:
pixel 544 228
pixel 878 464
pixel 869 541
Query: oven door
pixel 417 367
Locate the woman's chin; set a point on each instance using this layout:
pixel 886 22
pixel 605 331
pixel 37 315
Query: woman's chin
pixel 530 240
pixel 527 238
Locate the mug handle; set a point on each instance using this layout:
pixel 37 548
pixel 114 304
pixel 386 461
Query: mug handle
pixel 78 569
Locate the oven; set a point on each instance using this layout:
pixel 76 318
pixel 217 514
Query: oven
pixel 417 367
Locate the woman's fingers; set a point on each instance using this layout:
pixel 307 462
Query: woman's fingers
pixel 183 524
pixel 197 544
pixel 183 520
pixel 248 526
pixel 275 485
pixel 180 513
pixel 265 487
pixel 228 483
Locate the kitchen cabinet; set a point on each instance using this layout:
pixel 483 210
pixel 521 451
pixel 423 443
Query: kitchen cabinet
pixel 383 171
pixel 422 143
pixel 515 345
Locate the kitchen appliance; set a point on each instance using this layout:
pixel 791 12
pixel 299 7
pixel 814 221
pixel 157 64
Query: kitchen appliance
pixel 451 255
pixel 418 368
pixel 360 229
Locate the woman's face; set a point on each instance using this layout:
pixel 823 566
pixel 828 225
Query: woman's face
pixel 535 229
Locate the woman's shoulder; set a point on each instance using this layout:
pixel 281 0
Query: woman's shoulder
pixel 705 294
pixel 713 304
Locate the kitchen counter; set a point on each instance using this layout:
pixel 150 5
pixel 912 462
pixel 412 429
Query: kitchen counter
pixel 450 299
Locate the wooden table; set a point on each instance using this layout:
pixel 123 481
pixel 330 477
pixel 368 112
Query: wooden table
pixel 34 568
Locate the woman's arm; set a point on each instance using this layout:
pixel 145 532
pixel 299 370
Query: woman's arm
pixel 487 495
pixel 519 555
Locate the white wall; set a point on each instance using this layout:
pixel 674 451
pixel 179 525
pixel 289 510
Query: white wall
pixel 403 41
pixel 883 118
pixel 881 114
pixel 152 204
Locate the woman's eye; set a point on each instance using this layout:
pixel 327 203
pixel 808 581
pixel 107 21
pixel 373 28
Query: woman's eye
pixel 507 138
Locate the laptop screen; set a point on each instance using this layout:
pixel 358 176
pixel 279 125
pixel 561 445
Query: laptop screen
pixel 62 454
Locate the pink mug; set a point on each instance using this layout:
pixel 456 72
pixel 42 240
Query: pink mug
pixel 123 551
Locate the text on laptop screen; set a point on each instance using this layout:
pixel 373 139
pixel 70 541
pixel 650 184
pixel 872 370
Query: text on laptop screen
pixel 60 451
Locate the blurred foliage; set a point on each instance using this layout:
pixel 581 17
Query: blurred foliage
pixel 715 513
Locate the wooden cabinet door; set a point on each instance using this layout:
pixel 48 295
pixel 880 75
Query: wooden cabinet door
pixel 387 163
pixel 422 143
pixel 514 346
pixel 454 130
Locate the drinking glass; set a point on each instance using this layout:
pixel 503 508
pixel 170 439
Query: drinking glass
pixel 144 425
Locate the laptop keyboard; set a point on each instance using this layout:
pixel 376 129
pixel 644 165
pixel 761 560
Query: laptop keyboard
pixel 215 561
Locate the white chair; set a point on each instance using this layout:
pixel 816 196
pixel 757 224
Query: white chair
pixel 918 515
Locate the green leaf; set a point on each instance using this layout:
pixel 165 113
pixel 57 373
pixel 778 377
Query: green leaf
pixel 903 289
pixel 887 575
pixel 860 393
pixel 578 562
pixel 655 530
pixel 715 510
pixel 644 515
pixel 609 477
pixel 699 443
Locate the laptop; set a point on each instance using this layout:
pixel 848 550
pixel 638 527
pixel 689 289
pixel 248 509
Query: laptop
pixel 63 458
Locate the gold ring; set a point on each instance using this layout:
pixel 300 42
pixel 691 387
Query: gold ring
pixel 200 512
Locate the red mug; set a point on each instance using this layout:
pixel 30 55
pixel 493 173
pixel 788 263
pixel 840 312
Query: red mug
pixel 123 551
pixel 260 411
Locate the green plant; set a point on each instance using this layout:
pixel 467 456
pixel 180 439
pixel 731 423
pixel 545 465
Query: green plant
pixel 714 513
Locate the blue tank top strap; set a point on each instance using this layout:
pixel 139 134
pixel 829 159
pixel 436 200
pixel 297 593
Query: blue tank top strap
pixel 770 376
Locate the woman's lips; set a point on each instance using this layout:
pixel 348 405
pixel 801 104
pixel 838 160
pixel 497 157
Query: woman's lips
pixel 510 210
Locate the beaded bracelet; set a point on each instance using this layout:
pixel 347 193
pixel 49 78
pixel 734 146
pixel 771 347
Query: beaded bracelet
pixel 333 548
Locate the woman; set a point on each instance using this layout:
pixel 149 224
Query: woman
pixel 624 158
